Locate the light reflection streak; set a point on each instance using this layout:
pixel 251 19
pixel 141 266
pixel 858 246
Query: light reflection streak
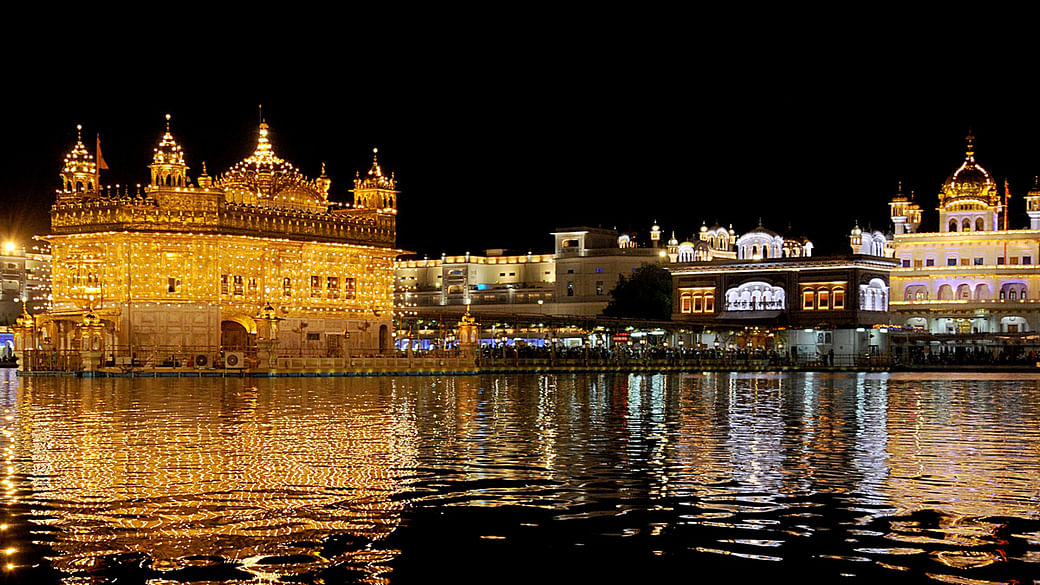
pixel 241 470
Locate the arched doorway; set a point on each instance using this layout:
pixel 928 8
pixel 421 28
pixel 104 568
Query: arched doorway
pixel 384 338
pixel 234 336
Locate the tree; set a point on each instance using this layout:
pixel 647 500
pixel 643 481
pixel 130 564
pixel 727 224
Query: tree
pixel 647 294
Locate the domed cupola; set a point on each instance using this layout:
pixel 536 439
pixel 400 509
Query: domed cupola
pixel 376 190
pixel 970 186
pixel 1033 205
pixel 264 179
pixel 168 169
pixel 969 199
pixel 79 175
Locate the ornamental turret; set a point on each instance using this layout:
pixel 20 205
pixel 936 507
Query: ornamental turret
pixel 673 248
pixel 79 175
pixel 655 235
pixel 375 190
pixel 856 239
pixel 168 169
pixel 323 182
pixel 1033 205
pixel 906 215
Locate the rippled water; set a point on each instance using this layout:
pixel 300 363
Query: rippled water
pixel 851 478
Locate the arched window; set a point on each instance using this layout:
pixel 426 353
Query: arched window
pixel 978 224
pixel 963 292
pixel 953 225
pixel 966 225
pixel 945 292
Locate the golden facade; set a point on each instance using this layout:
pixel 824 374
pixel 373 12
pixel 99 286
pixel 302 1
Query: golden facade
pixel 194 264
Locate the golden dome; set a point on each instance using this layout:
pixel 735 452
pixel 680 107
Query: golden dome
pixel 263 178
pixel 168 152
pixel 970 182
pixel 1035 191
pixel 79 159
pixel 375 178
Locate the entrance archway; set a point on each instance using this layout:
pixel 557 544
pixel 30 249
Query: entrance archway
pixel 234 336
pixel 384 338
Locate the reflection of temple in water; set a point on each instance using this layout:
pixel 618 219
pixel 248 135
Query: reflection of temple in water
pixel 174 467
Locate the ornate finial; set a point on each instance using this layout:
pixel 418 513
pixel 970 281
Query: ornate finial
pixel 204 167
pixel 260 109
pixel 79 132
pixel 760 221
pixel 167 123
pixel 323 168
pixel 970 138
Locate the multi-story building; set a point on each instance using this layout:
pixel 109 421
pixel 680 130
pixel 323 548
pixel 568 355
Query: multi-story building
pixel 574 281
pixel 206 263
pixel 974 276
pixel 777 296
pixel 25 280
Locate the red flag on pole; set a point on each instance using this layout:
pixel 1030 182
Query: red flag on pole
pixel 1007 194
pixel 101 164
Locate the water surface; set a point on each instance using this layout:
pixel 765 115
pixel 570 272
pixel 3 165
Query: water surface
pixel 554 478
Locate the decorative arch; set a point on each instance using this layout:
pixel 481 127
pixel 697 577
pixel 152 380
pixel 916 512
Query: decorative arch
pixel 756 296
pixel 244 320
pixel 979 224
pixel 873 296
pixel 915 292
pixel 945 293
pixel 953 225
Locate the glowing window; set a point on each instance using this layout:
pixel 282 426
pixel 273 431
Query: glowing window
pixel 807 299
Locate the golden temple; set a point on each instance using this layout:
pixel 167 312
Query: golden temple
pixel 258 254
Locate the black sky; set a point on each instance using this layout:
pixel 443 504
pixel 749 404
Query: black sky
pixel 498 139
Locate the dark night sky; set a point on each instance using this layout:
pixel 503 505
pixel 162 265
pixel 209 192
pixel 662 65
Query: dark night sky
pixel 495 140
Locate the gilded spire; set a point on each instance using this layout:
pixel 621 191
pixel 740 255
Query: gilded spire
pixel 168 152
pixel 970 139
pixel 79 173
pixel 375 179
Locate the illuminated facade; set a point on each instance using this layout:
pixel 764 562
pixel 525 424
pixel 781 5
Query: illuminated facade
pixel 575 280
pixel 25 275
pixel 258 253
pixel 819 305
pixel 974 275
